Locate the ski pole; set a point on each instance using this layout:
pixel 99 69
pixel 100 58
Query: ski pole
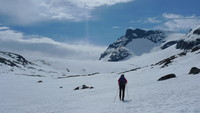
pixel 127 92
pixel 115 96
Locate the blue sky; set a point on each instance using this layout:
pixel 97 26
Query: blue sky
pixel 93 22
pixel 99 22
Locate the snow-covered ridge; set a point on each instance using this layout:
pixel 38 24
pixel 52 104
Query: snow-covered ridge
pixel 13 59
pixel 191 40
pixel 52 67
pixel 193 34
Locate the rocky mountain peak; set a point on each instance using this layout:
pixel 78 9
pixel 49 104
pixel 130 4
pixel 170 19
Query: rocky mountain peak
pixel 134 42
pixel 135 33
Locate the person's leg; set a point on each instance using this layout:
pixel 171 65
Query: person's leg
pixel 120 93
pixel 123 91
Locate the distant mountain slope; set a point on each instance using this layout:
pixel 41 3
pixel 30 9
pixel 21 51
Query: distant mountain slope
pixel 13 59
pixel 36 66
pixel 13 62
pixel 134 42
pixel 191 40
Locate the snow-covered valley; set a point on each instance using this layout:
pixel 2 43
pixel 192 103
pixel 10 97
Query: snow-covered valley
pixel 24 94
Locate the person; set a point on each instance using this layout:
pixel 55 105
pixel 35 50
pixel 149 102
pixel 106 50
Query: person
pixel 122 84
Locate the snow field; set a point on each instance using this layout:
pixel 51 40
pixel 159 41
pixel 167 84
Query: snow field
pixel 22 94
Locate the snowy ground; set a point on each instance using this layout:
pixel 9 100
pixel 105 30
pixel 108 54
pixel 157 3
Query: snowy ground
pixel 144 94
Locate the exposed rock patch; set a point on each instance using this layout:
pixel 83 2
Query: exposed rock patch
pixel 83 87
pixel 169 76
pixel 194 70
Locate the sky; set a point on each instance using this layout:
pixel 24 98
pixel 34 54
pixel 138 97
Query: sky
pixel 87 24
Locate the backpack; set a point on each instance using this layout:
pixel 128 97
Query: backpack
pixel 122 81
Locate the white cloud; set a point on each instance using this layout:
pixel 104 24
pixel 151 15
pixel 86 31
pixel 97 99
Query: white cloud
pixel 31 11
pixel 177 22
pixel 181 24
pixel 14 41
pixel 147 20
pixel 116 27
pixel 136 21
pixel 4 28
pixel 131 28
pixel 90 4
pixel 171 16
pixel 153 20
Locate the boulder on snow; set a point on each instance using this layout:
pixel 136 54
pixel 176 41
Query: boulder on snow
pixel 40 81
pixel 167 77
pixel 194 70
pixel 83 87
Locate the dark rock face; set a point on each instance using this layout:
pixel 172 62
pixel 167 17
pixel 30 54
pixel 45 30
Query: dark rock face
pixel 119 55
pixel 186 45
pixel 8 62
pixel 169 76
pixel 194 70
pixel 153 35
pixel 197 32
pixel 168 44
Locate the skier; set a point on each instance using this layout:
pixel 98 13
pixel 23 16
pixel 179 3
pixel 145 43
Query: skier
pixel 122 84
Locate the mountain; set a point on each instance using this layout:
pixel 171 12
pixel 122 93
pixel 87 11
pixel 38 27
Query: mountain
pixel 186 42
pixel 133 43
pixel 191 40
pixel 18 64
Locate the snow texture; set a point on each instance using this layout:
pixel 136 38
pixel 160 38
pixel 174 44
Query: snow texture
pixel 21 93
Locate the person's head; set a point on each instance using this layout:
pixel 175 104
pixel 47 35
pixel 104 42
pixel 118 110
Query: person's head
pixel 122 75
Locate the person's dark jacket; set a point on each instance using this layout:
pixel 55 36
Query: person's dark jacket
pixel 122 80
